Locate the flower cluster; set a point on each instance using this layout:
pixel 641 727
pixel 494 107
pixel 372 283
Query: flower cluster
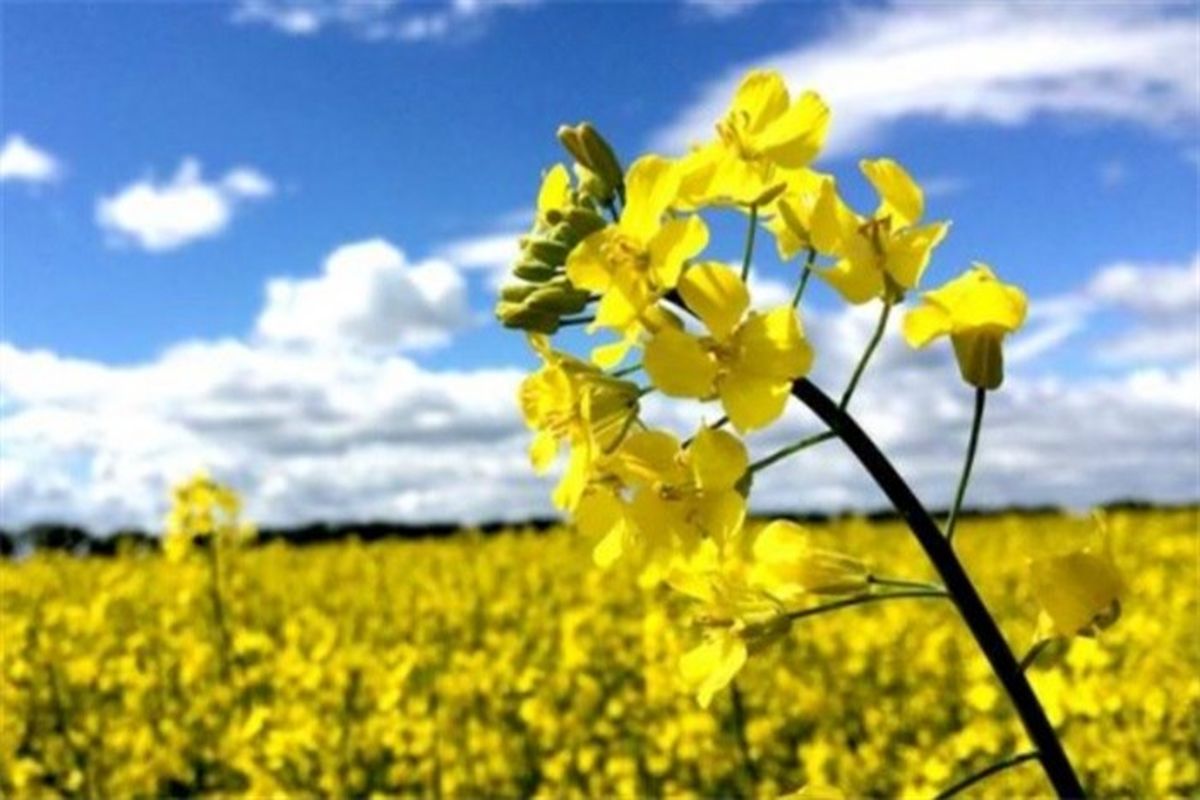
pixel 622 254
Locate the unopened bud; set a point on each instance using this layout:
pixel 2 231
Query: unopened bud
pixel 534 271
pixel 558 299
pixel 585 222
pixel 517 292
pixel 601 158
pixel 522 317
pixel 547 251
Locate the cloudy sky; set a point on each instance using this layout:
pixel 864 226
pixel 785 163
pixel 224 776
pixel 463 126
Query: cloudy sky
pixel 263 237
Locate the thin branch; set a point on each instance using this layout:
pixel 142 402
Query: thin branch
pixel 987 772
pixel 976 422
pixel 880 327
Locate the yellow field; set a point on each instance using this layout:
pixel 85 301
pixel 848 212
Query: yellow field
pixel 510 666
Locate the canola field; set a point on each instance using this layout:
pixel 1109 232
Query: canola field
pixel 511 666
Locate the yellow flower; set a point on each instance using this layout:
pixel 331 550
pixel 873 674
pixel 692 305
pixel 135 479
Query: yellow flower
pixel 791 214
pixel 203 510
pixel 1079 592
pixel 711 666
pixel 976 311
pixel 787 565
pixel 748 360
pixel 882 256
pixel 571 402
pixel 683 494
pixel 764 136
pixel 637 260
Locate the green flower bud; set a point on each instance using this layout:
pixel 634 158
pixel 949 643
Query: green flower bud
pixel 522 317
pixel 517 292
pixel 601 158
pixel 585 221
pixel 570 139
pixel 534 271
pixel 558 299
pixel 547 251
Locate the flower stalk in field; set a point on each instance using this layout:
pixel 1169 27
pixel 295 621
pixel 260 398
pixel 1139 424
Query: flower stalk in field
pixel 679 509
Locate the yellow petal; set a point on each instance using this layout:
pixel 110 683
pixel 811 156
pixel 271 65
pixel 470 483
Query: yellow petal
pixel 650 457
pixel 857 281
pixel 1076 589
pixel 752 401
pixel 620 306
pixel 773 345
pixel 674 243
pixel 650 188
pixel 570 488
pixel 794 138
pixel 607 356
pixel 762 96
pixel 542 451
pixel 555 192
pixel 924 324
pixel 717 516
pixel 586 265
pixel 832 223
pixel 718 459
pixel 900 196
pixel 679 365
pixel 601 518
pixel 908 252
pixel 717 295
pixel 709 668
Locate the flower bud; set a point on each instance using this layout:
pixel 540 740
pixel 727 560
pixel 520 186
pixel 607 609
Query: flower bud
pixel 523 317
pixel 558 298
pixel 547 251
pixel 534 271
pixel 601 158
pixel 517 292
pixel 585 222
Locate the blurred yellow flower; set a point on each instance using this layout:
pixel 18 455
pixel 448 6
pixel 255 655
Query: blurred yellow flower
pixel 976 311
pixel 748 360
pixel 203 512
pixel 1079 592
pixel 635 261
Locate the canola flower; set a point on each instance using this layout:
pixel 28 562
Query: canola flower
pixel 508 665
pixel 651 281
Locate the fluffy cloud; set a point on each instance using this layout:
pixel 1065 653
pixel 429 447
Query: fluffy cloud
pixel 21 160
pixel 164 216
pixel 313 432
pixel 1164 303
pixel 1135 62
pixel 378 20
pixel 369 296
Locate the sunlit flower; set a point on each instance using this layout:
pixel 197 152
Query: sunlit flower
pixel 763 137
pixel 883 255
pixel 748 360
pixel 976 311
pixel 637 260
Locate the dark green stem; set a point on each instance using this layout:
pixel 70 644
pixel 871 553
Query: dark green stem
pixel 566 322
pixel 954 577
pixel 861 599
pixel 784 452
pixel 999 766
pixel 739 730
pixel 749 243
pixel 880 327
pixel 980 398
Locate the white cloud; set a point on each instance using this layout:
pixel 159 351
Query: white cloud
pixel 490 253
pixel 308 431
pixel 164 216
pixel 375 20
pixel 369 296
pixel 21 160
pixel 1011 62
pixel 1164 302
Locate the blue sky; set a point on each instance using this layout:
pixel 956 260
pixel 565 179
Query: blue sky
pixel 1061 142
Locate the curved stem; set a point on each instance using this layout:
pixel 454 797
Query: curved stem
pixel 980 398
pixel 739 729
pixel 880 327
pixel 621 373
pixel 784 452
pixel 861 599
pixel 970 605
pixel 987 772
pixel 568 321
pixel 805 274
pixel 749 243
pixel 900 583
